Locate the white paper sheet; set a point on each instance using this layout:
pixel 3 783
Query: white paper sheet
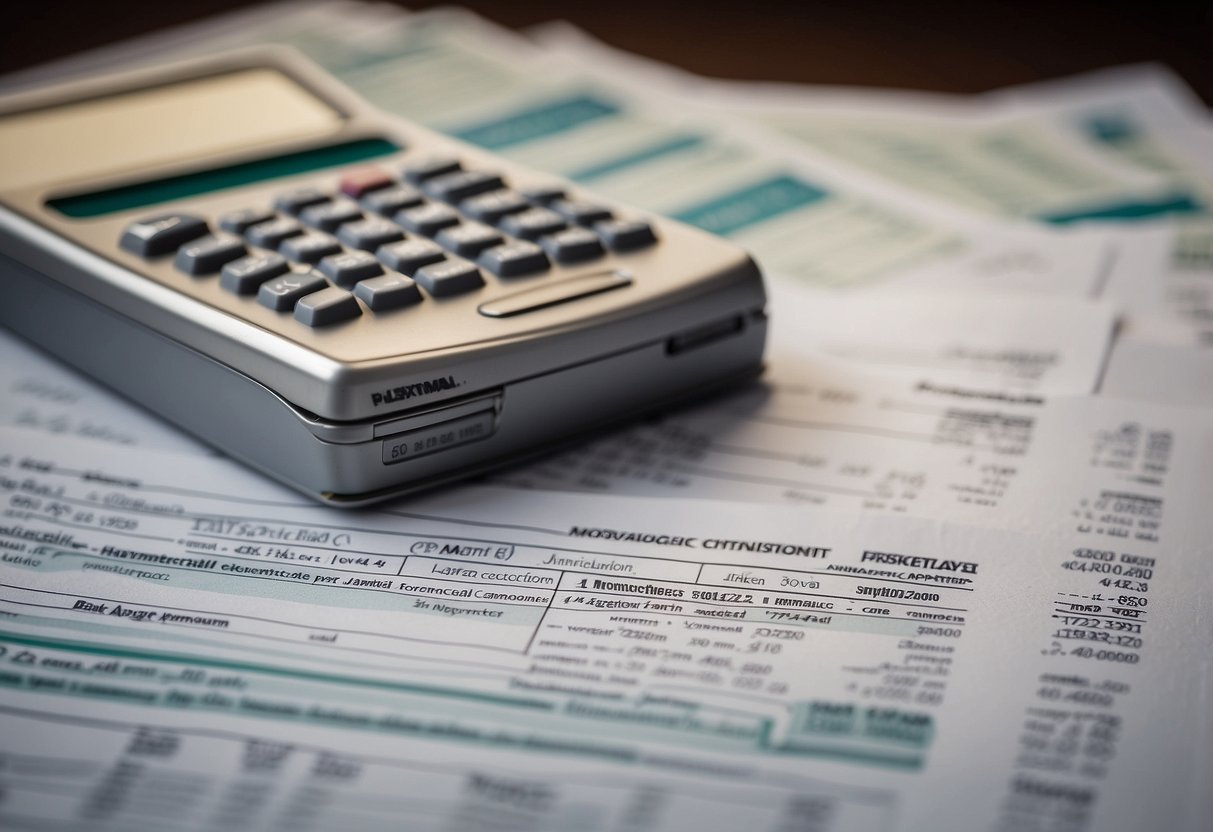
pixel 1156 372
pixel 989 341
pixel 182 644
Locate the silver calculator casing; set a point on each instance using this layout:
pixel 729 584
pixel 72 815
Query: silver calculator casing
pixel 388 403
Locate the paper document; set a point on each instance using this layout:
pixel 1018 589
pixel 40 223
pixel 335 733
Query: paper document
pixel 185 646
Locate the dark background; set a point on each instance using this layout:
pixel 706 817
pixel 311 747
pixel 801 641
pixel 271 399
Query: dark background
pixel 949 45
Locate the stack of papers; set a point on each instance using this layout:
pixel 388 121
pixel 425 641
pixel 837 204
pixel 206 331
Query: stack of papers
pixel 945 568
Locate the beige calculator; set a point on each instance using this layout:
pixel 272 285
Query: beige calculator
pixel 351 303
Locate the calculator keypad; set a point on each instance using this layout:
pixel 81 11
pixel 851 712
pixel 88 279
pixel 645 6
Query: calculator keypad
pixel 385 244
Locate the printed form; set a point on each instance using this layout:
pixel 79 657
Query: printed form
pixel 185 646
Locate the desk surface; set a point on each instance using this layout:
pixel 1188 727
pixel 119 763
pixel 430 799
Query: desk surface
pixel 948 45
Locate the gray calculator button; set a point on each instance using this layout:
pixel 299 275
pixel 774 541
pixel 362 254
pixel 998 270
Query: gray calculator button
pixel 453 187
pixel 533 223
pixel 626 235
pixel 245 275
pixel 271 234
pixel 370 234
pixel 494 205
pixel 280 293
pixel 543 194
pixel 514 259
pixel 469 239
pixel 410 255
pixel 348 268
pixel 573 245
pixel 309 247
pixel 328 306
pixel 292 202
pixel 154 236
pixel 581 213
pixel 206 255
pixel 452 277
pixel 390 291
pixel 428 219
pixel 390 200
pixel 238 222
pixel 424 169
pixel 329 216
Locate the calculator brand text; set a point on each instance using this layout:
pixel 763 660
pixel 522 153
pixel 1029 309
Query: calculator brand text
pixel 408 391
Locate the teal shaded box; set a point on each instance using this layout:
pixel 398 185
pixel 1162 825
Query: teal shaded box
pixel 731 212
pixel 1111 129
pixel 537 122
pixel 1175 204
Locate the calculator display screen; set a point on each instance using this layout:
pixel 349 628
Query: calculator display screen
pixel 183 186
pixel 161 125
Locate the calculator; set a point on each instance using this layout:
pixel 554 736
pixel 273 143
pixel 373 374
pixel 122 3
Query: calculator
pixel 355 305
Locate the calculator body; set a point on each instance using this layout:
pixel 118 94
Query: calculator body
pixel 467 360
